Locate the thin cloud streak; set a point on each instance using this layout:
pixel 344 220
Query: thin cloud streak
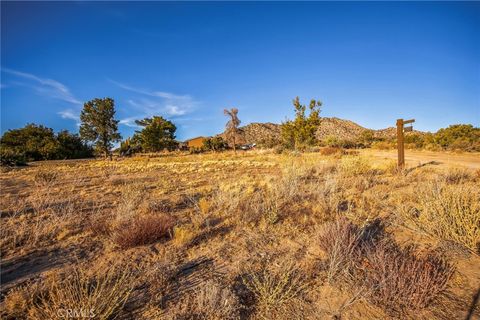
pixel 45 86
pixel 152 103
pixel 159 94
pixel 69 114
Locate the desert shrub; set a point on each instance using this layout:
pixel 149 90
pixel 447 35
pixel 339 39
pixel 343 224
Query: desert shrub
pixel 460 136
pixel 274 288
pixel 401 280
pixel 211 301
pixel 390 167
pixel 457 175
pixel 366 138
pixel 99 296
pixel 335 142
pixel 196 150
pixel 344 244
pixel 394 278
pixel 143 230
pixel 354 165
pixel 45 177
pixel 215 144
pixel 432 147
pixel 451 212
pixel 328 151
pixel 271 206
pixel 383 145
pixel 341 241
pixel 414 140
pixel 268 142
pixel 100 226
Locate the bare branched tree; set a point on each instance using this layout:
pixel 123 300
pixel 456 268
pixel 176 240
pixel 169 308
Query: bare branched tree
pixel 232 126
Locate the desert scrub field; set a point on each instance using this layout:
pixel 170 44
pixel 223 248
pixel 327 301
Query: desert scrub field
pixel 256 235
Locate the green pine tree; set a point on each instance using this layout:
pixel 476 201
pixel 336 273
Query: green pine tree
pixel 158 134
pixel 98 125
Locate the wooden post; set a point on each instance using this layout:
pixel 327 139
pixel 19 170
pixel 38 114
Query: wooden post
pixel 400 140
pixel 400 145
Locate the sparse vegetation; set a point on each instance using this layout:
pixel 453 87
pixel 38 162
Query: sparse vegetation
pixel 275 288
pixel 401 280
pixel 264 235
pixel 80 295
pixel 451 212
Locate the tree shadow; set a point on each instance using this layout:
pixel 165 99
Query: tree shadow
pixel 433 163
pixel 18 270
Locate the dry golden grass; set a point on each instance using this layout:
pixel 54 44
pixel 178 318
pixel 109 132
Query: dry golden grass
pixel 451 212
pixel 262 234
pixel 80 295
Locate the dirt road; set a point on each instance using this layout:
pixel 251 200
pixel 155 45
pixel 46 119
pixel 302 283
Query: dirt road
pixel 414 158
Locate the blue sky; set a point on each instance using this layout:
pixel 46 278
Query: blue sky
pixel 370 62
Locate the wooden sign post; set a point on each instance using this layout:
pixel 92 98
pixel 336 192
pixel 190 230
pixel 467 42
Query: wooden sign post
pixel 400 140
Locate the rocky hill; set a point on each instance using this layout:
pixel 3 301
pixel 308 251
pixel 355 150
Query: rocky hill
pixel 339 128
pixel 268 134
pixel 391 133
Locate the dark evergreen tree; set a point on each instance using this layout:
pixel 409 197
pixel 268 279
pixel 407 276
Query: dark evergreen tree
pixel 99 125
pixel 158 134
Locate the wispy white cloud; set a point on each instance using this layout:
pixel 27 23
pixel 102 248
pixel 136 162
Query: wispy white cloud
pixel 175 110
pixel 69 114
pixel 150 102
pixel 45 86
pixel 159 94
pixel 129 122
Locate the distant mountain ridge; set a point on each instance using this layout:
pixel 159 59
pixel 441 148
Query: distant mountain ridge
pixel 269 133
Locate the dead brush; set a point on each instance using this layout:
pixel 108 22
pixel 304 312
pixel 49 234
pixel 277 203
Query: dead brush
pixel 341 242
pixel 400 280
pixel 457 175
pixel 99 296
pixel 212 301
pixel 45 178
pixel 132 198
pixel 143 230
pixel 396 279
pixel 100 226
pixel 329 151
pixel 344 244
